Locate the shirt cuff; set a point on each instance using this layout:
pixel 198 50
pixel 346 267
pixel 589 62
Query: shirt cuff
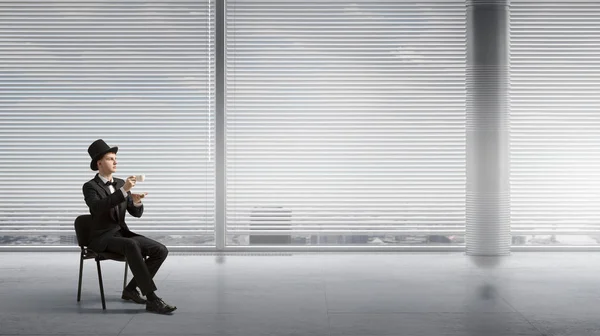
pixel 124 192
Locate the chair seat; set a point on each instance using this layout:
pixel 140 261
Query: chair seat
pixel 89 254
pixel 110 256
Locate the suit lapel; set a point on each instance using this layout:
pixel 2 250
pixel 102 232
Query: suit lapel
pixel 102 185
pixel 107 192
pixel 120 210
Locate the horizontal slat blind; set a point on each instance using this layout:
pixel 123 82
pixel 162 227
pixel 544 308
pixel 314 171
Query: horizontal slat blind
pixel 139 75
pixel 345 116
pixel 555 118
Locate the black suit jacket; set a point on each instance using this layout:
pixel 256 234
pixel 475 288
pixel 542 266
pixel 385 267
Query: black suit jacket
pixel 108 211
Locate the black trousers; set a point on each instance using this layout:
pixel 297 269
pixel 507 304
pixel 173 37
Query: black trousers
pixel 135 249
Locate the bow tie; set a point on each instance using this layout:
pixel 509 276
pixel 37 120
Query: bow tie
pixel 114 184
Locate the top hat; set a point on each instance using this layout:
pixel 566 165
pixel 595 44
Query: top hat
pixel 97 150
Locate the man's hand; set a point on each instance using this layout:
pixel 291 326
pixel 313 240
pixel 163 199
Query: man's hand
pixel 137 198
pixel 129 183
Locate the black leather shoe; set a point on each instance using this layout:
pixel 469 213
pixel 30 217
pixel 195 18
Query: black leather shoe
pixel 159 306
pixel 133 295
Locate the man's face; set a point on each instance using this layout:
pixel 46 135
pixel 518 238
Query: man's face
pixel 108 164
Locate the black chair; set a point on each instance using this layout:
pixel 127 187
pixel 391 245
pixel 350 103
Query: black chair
pixel 83 231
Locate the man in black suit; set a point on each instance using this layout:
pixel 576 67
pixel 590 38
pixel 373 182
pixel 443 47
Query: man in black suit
pixel 108 198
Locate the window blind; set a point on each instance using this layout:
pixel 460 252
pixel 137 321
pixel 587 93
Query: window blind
pixel 345 118
pixel 139 75
pixel 555 124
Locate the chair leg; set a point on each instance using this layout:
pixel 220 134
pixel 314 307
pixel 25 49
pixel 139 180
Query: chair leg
pixel 125 277
pixel 101 285
pixel 80 276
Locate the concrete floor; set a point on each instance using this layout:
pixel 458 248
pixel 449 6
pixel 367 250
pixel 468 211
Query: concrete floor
pixel 430 294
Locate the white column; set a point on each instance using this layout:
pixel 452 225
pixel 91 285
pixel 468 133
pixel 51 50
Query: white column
pixel 220 218
pixel 488 198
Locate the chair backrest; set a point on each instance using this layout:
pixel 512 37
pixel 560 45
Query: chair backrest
pixel 83 229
